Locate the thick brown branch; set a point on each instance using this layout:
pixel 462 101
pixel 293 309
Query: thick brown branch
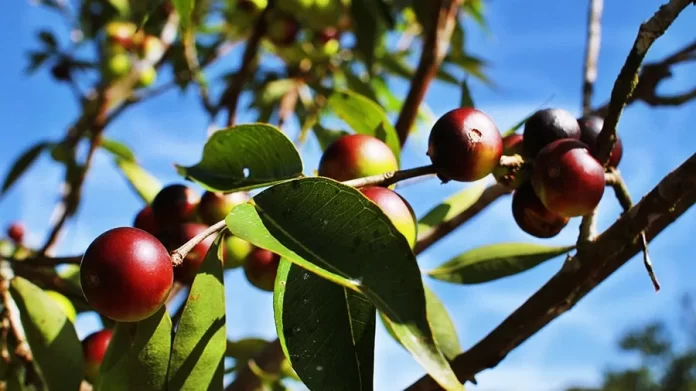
pixel 593 263
pixel 594 27
pixel 435 46
pixel 231 97
pixel 628 77
pixel 269 360
pixel 489 196
pixel 40 260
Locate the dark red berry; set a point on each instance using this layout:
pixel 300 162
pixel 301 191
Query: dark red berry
pixel 175 204
pixel 94 347
pixel 261 268
pixel 532 216
pixel 396 208
pixel 355 156
pixel 464 145
pixel 216 206
pixel 567 178
pixel 176 236
pixel 145 220
pixel 283 29
pixel 546 126
pixel 16 232
pixel 126 274
pixel 590 128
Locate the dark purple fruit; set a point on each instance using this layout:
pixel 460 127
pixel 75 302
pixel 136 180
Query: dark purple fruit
pixel 532 216
pixel 175 204
pixel 546 126
pixel 126 274
pixel 464 145
pixel 176 236
pixel 567 178
pixel 590 128
pixel 261 268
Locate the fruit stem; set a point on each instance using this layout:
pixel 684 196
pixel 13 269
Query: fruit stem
pixel 391 177
pixel 180 253
pixel 588 227
pixel 514 161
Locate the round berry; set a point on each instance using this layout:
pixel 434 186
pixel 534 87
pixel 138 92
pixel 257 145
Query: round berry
pixel 283 29
pixel 396 208
pixel 145 220
pixel 126 274
pixel 464 145
pixel 546 126
pixel 590 128
pixel 261 268
pixel 236 251
pixel 94 348
pixel 16 232
pixel 175 204
pixel 355 156
pixel 176 236
pixel 567 178
pixel 216 206
pixel 532 216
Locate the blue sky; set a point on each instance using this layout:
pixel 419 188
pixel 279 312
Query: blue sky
pixel 536 50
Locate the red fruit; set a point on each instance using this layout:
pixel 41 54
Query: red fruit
pixel 216 206
pixel 176 236
pixel 145 220
pixel 512 178
pixel 261 267
pixel 327 34
pixel 546 126
pixel 16 232
pixel 532 216
pixel 396 208
pixel 126 274
pixel 283 29
pixel 175 204
pixel 590 128
pixel 464 145
pixel 355 156
pixel 94 347
pixel 567 178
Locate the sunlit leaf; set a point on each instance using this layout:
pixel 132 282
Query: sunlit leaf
pixel 141 181
pixel 22 164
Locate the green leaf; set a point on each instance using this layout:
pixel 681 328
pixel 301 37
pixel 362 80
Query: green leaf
pixel 122 6
pixel 118 149
pixel 367 30
pixel 450 208
pixel 184 8
pixel 245 157
pixel 245 349
pixel 274 90
pixel 335 232
pixel 22 164
pixel 142 182
pixel 446 76
pixel 327 331
pixel 495 261
pixel 48 39
pixel 365 116
pixel 52 338
pixel 443 328
pixel 36 59
pixel 327 136
pixel 466 100
pixel 149 356
pixel 200 340
pixel 114 369
pixel 475 8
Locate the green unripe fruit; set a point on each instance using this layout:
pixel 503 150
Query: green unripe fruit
pixel 236 251
pixel 64 303
pixel 397 209
pixel 331 48
pixel 148 76
pixel 118 65
pixel 355 156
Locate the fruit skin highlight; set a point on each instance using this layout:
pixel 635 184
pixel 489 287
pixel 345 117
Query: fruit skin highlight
pixel 397 209
pixel 261 268
pixel 175 204
pixel 590 127
pixel 532 216
pixel 355 156
pixel 546 126
pixel 567 178
pixel 94 348
pixel 126 274
pixel 464 145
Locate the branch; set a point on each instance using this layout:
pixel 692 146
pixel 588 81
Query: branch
pixel 42 260
pixel 594 29
pixel 269 360
pixel 180 253
pixel 429 238
pixel 628 77
pixel 389 178
pixel 231 97
pixel 435 47
pixel 594 262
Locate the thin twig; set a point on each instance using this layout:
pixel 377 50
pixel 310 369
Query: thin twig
pixel 22 350
pixel 180 253
pixel 597 260
pixel 435 47
pixel 231 97
pixel 628 77
pixel 391 177
pixel 594 30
